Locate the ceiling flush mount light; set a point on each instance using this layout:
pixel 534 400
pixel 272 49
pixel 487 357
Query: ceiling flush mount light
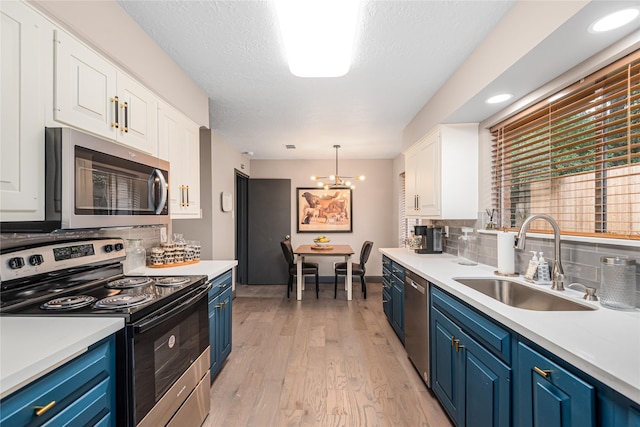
pixel 336 181
pixel 318 35
pixel 614 20
pixel 499 98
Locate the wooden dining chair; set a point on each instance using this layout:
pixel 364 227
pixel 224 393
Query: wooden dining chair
pixel 307 267
pixel 357 269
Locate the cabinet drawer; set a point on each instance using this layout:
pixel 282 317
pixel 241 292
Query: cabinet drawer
pixel 398 271
pixel 547 394
pixel 490 335
pixel 219 284
pixel 386 275
pixel 386 263
pixel 83 390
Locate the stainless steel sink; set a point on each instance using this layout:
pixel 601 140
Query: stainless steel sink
pixel 518 295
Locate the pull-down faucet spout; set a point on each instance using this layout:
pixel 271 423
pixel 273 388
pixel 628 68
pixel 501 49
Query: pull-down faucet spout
pixel 557 274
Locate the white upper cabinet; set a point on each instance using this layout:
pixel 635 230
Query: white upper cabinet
pixel 93 95
pixel 25 48
pixel 441 174
pixel 138 116
pixel 179 143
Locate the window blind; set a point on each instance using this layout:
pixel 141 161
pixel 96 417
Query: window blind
pixel 575 156
pixel 405 224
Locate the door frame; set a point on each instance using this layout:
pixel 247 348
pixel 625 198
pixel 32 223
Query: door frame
pixel 242 226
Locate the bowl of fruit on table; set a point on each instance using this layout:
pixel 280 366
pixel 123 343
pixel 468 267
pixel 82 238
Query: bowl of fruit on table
pixel 321 241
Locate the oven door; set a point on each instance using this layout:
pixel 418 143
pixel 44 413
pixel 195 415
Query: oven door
pixel 165 346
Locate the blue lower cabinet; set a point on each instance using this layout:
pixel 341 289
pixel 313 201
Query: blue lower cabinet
pixel 473 385
pixel 220 319
pixel 80 392
pixel 549 395
pixel 393 295
pixel 387 305
pixel 397 312
pixel 487 387
pixel 224 326
pixel 444 363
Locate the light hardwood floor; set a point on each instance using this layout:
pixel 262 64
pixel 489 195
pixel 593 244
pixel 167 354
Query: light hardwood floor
pixel 317 362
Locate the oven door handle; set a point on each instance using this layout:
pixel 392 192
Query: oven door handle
pixel 156 320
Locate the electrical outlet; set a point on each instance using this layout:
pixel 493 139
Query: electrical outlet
pixel 446 230
pixel 163 234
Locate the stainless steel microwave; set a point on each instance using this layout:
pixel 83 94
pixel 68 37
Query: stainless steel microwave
pixel 94 183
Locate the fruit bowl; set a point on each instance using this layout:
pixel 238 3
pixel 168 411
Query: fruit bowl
pixel 321 241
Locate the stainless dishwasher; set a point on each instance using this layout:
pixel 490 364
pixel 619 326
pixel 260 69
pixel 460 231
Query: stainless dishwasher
pixel 416 322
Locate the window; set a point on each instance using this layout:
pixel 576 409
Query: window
pixel 406 224
pixel 575 156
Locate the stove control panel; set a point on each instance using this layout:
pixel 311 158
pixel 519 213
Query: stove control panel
pixel 59 256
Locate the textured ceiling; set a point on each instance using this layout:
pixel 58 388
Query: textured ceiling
pixel 405 50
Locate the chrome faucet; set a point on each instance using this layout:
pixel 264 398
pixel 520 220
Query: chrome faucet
pixel 557 274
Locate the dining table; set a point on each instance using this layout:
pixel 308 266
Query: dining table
pixel 304 251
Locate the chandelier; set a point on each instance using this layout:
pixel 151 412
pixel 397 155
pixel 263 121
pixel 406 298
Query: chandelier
pixel 336 181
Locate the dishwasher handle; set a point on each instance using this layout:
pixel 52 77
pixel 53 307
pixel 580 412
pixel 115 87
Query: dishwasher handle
pixel 416 286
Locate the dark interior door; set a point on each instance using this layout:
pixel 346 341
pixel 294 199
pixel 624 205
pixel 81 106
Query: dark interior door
pixel 269 218
pixel 242 227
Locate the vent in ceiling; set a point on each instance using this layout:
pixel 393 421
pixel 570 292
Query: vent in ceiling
pixel 290 147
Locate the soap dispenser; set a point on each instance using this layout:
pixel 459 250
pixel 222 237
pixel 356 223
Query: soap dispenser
pixel 543 269
pixel 467 248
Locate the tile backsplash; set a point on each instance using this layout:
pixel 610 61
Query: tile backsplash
pixel 580 260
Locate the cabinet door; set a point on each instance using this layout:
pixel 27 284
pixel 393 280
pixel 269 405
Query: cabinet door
pixel 85 88
pixel 179 142
pixel 25 43
pixel 548 395
pixel 445 372
pixel 428 177
pixel 191 171
pixel 397 298
pixel 214 313
pixel 411 166
pixel 487 387
pixel 169 129
pixel 225 325
pixel 138 116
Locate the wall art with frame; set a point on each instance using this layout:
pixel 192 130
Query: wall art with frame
pixel 327 211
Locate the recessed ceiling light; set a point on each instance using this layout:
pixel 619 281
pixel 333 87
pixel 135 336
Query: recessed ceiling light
pixel 318 35
pixel 499 98
pixel 614 20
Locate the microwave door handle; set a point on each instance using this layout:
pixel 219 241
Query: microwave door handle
pixel 163 190
pixel 155 321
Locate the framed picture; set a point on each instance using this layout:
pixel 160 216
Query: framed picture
pixel 321 210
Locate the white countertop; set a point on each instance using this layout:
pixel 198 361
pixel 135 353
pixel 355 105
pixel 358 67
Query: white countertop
pixel 603 343
pixel 33 346
pixel 207 267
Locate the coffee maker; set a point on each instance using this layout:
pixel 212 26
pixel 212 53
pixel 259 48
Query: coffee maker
pixel 430 239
